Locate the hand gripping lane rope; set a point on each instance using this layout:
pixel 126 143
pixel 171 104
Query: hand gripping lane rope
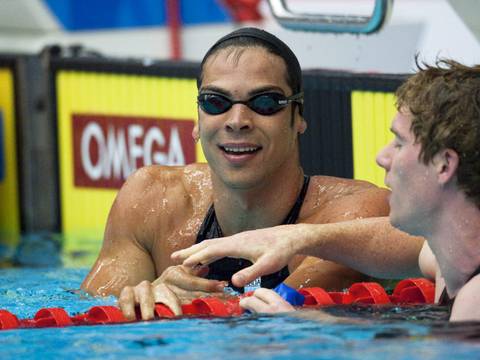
pixel 408 291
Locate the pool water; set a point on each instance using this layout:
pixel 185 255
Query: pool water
pixel 393 333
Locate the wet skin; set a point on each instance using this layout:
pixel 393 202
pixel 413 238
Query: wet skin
pixel 159 210
pixel 427 201
pixel 409 179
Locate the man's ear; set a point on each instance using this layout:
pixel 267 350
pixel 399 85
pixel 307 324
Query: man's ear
pixel 195 133
pixel 446 164
pixel 302 127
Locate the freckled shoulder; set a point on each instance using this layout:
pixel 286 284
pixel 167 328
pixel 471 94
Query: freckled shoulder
pixel 331 199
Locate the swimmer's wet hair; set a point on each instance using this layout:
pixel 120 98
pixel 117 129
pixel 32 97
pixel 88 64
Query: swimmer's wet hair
pixel 444 102
pixel 253 37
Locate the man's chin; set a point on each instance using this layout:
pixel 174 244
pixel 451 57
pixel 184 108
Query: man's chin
pixel 404 225
pixel 396 221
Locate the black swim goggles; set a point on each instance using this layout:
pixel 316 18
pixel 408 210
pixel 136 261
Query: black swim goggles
pixel 263 104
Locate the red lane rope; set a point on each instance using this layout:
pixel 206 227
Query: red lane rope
pixel 408 291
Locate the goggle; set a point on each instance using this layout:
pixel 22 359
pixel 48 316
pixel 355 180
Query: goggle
pixel 263 104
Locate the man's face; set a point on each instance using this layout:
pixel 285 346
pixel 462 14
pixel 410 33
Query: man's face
pixel 242 147
pixel 413 184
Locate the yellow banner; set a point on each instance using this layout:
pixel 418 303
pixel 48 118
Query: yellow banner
pixel 372 113
pixel 108 126
pixel 9 204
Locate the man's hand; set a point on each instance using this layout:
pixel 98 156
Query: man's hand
pixel 268 249
pixel 266 301
pixel 176 285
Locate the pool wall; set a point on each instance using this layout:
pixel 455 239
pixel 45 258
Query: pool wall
pixel 9 187
pixel 85 122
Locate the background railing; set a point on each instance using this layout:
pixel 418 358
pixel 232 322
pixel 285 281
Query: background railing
pixel 330 23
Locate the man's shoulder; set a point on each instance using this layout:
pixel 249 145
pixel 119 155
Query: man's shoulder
pixel 169 177
pixel 332 199
pixel 338 185
pixel 466 307
pixel 149 184
pixel 472 287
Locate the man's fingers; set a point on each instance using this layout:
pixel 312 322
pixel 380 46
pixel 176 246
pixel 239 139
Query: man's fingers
pixel 199 271
pixel 186 296
pixel 266 301
pixel 260 268
pixel 243 277
pixel 180 255
pixel 207 252
pixel 189 281
pixel 254 304
pixel 203 257
pixel 267 296
pixel 144 297
pixel 162 294
pixel 210 252
pixel 126 301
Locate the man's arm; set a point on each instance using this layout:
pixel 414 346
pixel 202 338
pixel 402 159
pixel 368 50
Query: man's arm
pixel 427 262
pixel 124 259
pixel 356 236
pixel 371 246
pixel 138 222
pixel 268 301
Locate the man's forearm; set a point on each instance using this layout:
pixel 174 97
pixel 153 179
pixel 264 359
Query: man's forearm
pixel 371 246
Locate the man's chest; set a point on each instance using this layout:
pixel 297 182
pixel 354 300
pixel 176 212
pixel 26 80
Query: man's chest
pixel 180 236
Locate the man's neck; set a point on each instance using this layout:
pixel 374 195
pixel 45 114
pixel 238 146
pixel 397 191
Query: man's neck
pixel 264 205
pixel 455 242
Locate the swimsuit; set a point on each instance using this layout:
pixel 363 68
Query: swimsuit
pixel 445 300
pixel 223 269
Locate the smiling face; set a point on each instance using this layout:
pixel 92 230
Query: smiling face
pixel 243 148
pixel 414 185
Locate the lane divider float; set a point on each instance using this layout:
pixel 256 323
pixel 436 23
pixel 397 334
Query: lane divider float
pixel 407 292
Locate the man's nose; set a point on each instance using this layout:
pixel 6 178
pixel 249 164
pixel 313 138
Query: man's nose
pixel 383 157
pixel 239 118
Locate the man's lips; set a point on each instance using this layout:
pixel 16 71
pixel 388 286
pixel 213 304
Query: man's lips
pixel 237 154
pixel 239 149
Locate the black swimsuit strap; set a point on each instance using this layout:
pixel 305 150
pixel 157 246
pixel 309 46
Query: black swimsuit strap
pixel 223 269
pixel 210 228
pixel 446 300
pixel 292 216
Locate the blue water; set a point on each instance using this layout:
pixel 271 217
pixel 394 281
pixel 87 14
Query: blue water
pixel 417 333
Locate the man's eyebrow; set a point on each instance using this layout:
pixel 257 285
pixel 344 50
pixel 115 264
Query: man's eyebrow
pixel 215 89
pixel 396 133
pixel 267 88
pixel 253 92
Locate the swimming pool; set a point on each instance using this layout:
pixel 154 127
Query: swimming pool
pixel 385 333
